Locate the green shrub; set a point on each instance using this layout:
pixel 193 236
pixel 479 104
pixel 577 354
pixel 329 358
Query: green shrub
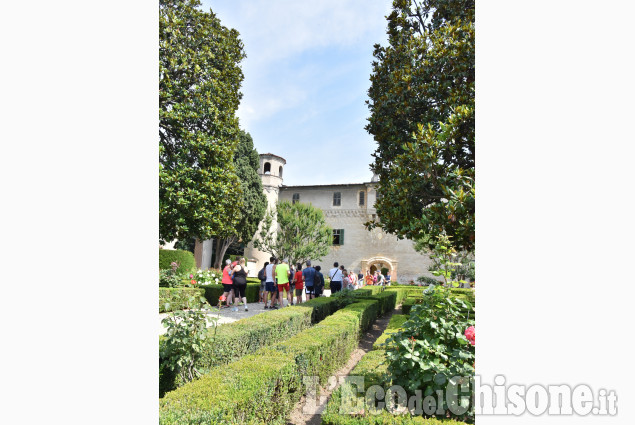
pixel 213 292
pixel 234 340
pixel 325 347
pixel 186 260
pixel 373 368
pixel 387 299
pixel 245 336
pixel 395 324
pixel 177 298
pixel 257 389
pixel 263 387
pixel 431 348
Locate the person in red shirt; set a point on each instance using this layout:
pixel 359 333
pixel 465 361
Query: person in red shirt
pixel 299 283
pixel 227 282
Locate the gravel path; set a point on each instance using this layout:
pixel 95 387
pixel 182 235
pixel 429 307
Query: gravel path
pixel 228 316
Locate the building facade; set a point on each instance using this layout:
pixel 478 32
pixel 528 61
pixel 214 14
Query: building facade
pixel 346 208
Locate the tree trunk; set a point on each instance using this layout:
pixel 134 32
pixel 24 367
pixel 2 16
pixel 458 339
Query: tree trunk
pixel 221 248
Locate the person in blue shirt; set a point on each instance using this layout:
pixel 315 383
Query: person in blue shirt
pixel 308 275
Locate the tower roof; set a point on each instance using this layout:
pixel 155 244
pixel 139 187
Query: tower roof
pixel 284 161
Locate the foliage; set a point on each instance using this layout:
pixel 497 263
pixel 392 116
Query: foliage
pixel 252 198
pixel 199 83
pixel 264 387
pixel 448 263
pixel 184 259
pixel 186 245
pixel 427 280
pixel 432 350
pixel 170 278
pixel 171 299
pixel 185 339
pixel 395 324
pixel 302 233
pixel 422 118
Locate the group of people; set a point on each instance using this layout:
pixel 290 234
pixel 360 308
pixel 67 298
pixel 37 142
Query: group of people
pixel 343 279
pixel 276 278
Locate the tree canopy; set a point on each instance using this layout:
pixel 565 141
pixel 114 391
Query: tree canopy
pixel 199 83
pixel 302 233
pixel 250 196
pixel 422 118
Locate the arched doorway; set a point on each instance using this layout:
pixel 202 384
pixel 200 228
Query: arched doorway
pixel 377 263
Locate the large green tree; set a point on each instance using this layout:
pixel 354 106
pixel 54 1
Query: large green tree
pixel 199 83
pixel 422 118
pixel 301 233
pixel 250 196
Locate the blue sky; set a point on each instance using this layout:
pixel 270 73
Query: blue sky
pixel 306 79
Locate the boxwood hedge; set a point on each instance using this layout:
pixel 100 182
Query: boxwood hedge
pixel 186 260
pixel 232 341
pixel 263 387
pixel 395 324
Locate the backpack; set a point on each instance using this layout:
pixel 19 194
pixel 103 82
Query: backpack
pixel 262 274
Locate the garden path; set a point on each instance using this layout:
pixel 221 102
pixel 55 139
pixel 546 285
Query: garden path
pixel 228 316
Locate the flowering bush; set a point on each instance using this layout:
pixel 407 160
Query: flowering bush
pixel 433 348
pixel 170 278
pixel 208 277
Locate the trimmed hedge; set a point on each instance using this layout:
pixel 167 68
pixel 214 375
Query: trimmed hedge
pixel 387 300
pixel 177 297
pixel 374 369
pixel 186 260
pixel 263 387
pixel 245 336
pixel 409 302
pixel 234 340
pixel 395 324
pixel 213 292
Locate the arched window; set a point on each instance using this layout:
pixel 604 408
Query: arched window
pixel 280 171
pixel 267 169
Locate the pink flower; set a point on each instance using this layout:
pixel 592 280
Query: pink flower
pixel 191 276
pixel 470 335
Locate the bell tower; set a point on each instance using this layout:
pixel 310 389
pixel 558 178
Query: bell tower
pixel 270 172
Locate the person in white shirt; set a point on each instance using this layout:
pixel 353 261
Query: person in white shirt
pixel 335 274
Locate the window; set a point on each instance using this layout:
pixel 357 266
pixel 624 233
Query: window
pixel 337 199
pixel 295 198
pixel 361 199
pixel 338 236
pixel 280 171
pixel 267 169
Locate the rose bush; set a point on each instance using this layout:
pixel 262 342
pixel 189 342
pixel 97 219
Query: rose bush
pixel 432 350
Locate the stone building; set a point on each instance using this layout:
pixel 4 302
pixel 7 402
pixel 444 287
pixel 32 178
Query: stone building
pixel 346 208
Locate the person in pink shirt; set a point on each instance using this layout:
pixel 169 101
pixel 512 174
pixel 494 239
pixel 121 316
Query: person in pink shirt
pixel 227 282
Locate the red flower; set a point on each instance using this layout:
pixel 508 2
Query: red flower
pixel 193 282
pixel 470 335
pixel 222 298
